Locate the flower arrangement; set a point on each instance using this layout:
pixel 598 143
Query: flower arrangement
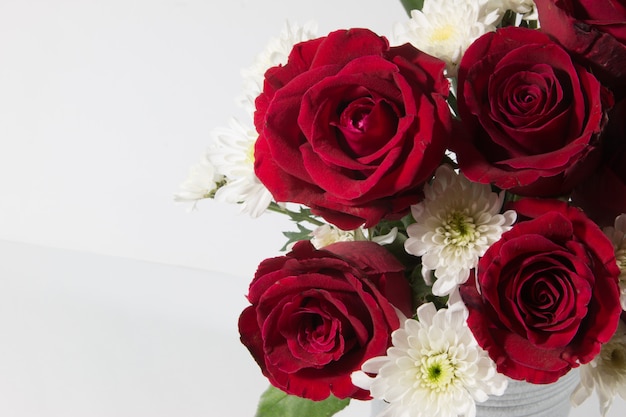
pixel 458 195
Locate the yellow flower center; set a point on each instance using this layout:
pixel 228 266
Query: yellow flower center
pixel 458 229
pixel 615 354
pixel 250 154
pixel 618 357
pixel 437 372
pixel 613 358
pixel 442 33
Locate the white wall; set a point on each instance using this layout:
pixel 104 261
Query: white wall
pixel 105 104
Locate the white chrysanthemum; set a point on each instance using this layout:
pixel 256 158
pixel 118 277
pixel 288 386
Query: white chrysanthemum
pixel 386 239
pixel 202 182
pixel 275 53
pixel 606 373
pixel 525 8
pixel 233 157
pixel 445 29
pixel 435 368
pixel 232 152
pixel 617 234
pixel 249 192
pixel 454 225
pixel 326 234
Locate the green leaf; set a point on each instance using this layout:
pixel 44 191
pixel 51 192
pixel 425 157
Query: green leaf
pixel 276 403
pixel 422 292
pixel 302 234
pixel 412 5
pixel 304 215
pixel 509 18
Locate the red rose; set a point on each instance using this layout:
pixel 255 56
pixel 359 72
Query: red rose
pixel 351 127
pixel 602 195
pixel 548 293
pixel 594 32
pixel 317 315
pixel 531 117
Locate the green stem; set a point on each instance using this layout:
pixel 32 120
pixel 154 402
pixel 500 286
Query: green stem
pixel 453 103
pixel 303 216
pixel 509 18
pixel 412 5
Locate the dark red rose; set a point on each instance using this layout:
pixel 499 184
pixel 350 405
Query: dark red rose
pixel 531 117
pixel 594 32
pixel 602 195
pixel 549 293
pixel 351 127
pixel 317 315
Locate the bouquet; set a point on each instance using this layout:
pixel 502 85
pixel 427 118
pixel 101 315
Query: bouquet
pixel 458 190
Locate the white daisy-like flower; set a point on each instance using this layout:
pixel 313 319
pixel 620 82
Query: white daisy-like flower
pixel 249 192
pixel 327 234
pixel 525 8
pixel 617 235
pixel 232 152
pixel 435 368
pixel 606 373
pixel 445 29
pixel 233 157
pixel 387 238
pixel 202 182
pixel 275 53
pixel 455 224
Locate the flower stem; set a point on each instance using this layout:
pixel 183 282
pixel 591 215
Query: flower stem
pixel 304 215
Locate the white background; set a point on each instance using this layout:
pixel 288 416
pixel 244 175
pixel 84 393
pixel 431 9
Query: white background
pixel 114 301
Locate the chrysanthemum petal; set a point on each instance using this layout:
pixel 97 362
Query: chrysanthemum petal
pixel 454 225
pixel 435 367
